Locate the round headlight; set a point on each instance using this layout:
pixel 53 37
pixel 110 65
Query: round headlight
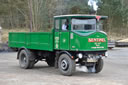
pixel 80 55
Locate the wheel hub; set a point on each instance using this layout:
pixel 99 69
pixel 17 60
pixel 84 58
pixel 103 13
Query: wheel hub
pixel 24 59
pixel 64 64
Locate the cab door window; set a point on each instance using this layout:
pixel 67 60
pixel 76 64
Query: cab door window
pixel 65 25
pixel 57 24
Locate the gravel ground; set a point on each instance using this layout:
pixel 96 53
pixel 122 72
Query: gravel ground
pixel 115 72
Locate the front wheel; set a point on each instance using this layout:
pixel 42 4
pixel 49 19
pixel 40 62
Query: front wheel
pixel 99 65
pixel 66 65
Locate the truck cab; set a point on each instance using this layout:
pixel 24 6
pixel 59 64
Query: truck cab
pixel 79 33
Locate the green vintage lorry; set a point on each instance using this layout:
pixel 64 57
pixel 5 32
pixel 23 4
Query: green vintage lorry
pixel 75 40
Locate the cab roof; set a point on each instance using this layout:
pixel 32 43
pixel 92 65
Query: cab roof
pixel 80 16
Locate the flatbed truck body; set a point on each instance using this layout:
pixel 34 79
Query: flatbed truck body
pixel 37 41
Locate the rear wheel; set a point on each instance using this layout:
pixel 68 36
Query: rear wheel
pixel 26 59
pixel 66 65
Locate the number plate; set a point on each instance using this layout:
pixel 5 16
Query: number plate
pixel 91 60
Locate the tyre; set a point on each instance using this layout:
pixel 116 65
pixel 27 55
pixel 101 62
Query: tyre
pixel 26 59
pixel 66 65
pixel 50 61
pixel 99 65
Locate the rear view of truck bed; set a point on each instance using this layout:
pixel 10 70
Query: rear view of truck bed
pixel 38 40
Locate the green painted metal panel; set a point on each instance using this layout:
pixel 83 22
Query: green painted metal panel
pixel 16 39
pixel 27 40
pixel 64 40
pixel 95 41
pixel 38 41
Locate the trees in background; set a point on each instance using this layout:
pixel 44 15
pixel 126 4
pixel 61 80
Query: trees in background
pixel 13 13
pixel 117 10
pixel 38 14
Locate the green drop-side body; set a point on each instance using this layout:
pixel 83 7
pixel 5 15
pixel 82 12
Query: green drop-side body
pixel 37 41
pixel 61 40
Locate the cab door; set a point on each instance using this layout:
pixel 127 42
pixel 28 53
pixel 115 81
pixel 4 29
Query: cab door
pixel 61 37
pixel 64 36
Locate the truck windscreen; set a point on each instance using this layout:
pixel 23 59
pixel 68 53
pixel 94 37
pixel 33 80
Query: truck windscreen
pixel 84 24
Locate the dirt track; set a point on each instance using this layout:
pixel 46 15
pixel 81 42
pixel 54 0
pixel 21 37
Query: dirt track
pixel 115 72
